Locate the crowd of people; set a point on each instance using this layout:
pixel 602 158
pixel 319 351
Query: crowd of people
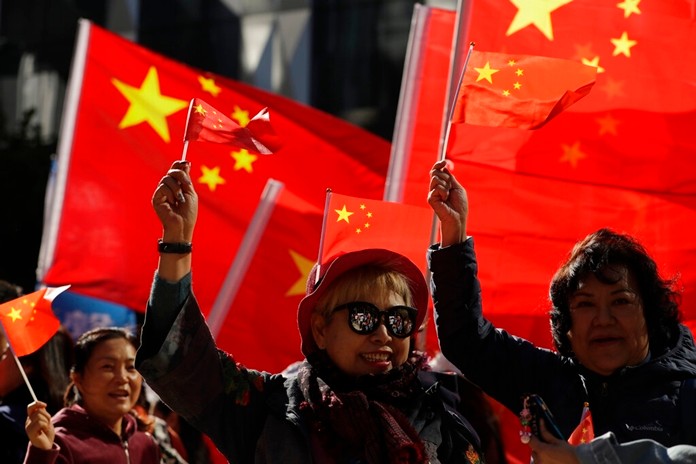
pixel 91 404
pixel 363 392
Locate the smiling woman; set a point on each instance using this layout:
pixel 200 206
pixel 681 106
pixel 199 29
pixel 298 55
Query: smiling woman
pixel 361 395
pixel 615 324
pixel 95 426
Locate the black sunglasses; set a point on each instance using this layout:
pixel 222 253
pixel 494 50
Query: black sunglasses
pixel 364 318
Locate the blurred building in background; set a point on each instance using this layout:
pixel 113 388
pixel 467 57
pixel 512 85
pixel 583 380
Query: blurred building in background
pixel 344 57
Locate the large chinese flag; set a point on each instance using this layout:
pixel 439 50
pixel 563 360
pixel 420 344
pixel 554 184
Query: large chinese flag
pixel 622 157
pixel 260 329
pixel 124 125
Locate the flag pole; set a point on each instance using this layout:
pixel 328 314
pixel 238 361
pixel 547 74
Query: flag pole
pixel 24 375
pixel 19 364
pixel 448 126
pixel 450 110
pixel 404 125
pixel 238 268
pixel 463 16
pixel 57 182
pixel 186 142
pixel 323 231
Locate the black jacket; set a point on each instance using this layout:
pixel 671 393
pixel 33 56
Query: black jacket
pixel 253 416
pixel 637 402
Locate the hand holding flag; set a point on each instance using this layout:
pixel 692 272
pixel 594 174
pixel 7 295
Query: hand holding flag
pixel 521 91
pixel 206 124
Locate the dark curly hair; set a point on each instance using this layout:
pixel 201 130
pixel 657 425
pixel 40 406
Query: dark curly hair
pixel 596 254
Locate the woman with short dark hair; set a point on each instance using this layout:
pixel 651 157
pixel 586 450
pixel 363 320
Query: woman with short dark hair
pixel 615 324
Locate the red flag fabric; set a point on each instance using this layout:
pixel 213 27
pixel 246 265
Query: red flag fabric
pixel 273 286
pixel 544 190
pixel 354 223
pixel 521 91
pixel 622 157
pixel 429 93
pixel 206 124
pixel 28 322
pixel 584 432
pixel 126 104
pixel 634 130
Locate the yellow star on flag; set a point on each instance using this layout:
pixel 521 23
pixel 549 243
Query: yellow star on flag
pixel 593 62
pixel 612 88
pixel 304 265
pixel 211 177
pixel 623 45
pixel 607 125
pixel 200 110
pixel 241 116
pixel 536 13
pixel 147 104
pixel 629 6
pixel 14 314
pixel 243 160
pixel 572 154
pixel 486 72
pixel 343 214
pixel 208 85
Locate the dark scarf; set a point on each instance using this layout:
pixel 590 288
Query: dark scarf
pixel 362 415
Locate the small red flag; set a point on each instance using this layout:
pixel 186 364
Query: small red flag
pixel 353 223
pixel 522 91
pixel 206 124
pixel 29 321
pixel 584 432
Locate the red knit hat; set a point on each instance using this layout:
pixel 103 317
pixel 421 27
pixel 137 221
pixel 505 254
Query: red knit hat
pixel 337 266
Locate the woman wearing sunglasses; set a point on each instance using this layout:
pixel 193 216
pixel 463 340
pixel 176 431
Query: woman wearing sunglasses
pixel 360 396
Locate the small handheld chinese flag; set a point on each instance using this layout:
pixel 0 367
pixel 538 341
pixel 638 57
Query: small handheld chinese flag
pixel 584 432
pixel 352 223
pixel 521 91
pixel 206 124
pixel 29 321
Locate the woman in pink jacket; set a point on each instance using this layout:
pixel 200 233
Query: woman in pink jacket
pixel 96 425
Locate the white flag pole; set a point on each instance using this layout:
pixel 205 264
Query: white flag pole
pixel 186 142
pixel 245 253
pixel 458 61
pixel 402 139
pixel 55 191
pixel 19 363
pixel 458 64
pixel 323 231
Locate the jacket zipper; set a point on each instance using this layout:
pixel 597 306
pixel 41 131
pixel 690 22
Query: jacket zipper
pixel 124 443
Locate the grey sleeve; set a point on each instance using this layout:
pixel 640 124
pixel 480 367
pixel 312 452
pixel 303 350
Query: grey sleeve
pixel 606 450
pixel 164 305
